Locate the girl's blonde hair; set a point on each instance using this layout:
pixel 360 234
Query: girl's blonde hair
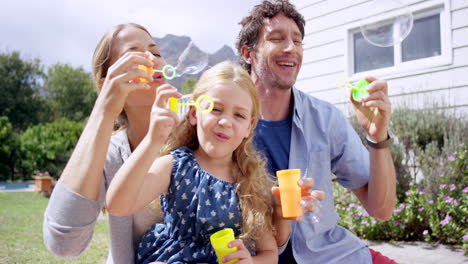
pixel 101 62
pixel 254 184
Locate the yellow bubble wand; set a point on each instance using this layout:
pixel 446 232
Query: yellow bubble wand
pixel 174 104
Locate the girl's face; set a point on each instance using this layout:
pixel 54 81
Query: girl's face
pixel 134 39
pixel 222 130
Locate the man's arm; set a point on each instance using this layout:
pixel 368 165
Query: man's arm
pixel 378 196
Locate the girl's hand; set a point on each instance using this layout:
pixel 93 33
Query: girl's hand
pixel 242 253
pixel 119 82
pixel 163 119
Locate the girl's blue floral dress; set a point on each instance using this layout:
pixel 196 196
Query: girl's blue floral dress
pixel 197 205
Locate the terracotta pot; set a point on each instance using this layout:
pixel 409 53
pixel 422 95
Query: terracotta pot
pixel 43 184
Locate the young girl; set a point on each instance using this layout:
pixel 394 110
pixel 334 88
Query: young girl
pixel 212 179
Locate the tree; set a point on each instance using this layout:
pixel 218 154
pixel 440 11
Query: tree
pixel 188 85
pixel 20 99
pixel 48 146
pixel 71 92
pixel 7 149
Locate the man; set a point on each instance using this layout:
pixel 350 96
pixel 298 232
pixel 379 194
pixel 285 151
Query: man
pixel 300 131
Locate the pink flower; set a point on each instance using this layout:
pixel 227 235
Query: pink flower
pixel 408 192
pixel 430 202
pixel 442 186
pixel 446 220
pixel 465 237
pixel 451 158
pixel 448 199
pixel 364 222
pixel 411 183
pixel 465 190
pixel 425 232
pixel 452 187
pixel 396 223
pixel 420 209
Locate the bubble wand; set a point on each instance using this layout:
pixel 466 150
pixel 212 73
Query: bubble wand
pixel 174 105
pixel 358 91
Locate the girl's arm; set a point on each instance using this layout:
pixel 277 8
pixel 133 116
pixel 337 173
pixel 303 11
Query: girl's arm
pixel 145 175
pixel 267 251
pixel 142 178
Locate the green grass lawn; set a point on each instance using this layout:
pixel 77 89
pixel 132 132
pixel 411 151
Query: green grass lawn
pixel 21 216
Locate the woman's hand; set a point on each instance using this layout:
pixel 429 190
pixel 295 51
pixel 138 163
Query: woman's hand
pixel 242 253
pixel 163 119
pixel 120 81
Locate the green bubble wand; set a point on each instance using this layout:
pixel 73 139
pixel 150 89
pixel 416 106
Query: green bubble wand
pixel 358 91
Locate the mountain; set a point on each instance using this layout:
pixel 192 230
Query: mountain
pixel 172 47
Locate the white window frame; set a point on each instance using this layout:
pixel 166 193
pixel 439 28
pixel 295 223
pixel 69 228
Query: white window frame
pixel 400 68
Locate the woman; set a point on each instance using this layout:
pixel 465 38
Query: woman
pixel 79 195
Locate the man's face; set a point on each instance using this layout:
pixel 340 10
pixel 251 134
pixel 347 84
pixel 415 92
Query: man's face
pixel 277 56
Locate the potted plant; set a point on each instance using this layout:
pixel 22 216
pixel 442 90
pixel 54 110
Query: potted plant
pixel 43 182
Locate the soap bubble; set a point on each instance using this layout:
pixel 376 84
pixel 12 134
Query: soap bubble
pixel 191 61
pixel 390 31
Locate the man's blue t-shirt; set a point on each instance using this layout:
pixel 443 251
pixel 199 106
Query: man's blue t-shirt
pixel 273 139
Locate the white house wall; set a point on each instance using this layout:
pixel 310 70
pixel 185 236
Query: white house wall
pixel 325 62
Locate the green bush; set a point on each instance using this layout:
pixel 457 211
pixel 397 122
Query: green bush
pixel 415 218
pixel 47 147
pixel 423 142
pixel 428 138
pixel 430 157
pixel 7 148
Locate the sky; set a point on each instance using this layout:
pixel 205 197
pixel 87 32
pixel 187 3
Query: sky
pixel 67 31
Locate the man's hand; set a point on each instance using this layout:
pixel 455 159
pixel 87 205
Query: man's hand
pixel 308 197
pixel 374 111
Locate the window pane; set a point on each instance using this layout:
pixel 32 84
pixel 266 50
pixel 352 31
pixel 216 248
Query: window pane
pixel 369 57
pixel 424 39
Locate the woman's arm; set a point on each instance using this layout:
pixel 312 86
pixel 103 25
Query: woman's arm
pixel 75 204
pixel 83 172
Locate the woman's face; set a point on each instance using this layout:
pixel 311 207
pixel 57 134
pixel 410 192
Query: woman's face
pixel 135 39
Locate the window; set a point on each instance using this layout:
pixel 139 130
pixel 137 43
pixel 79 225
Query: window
pixel 427 45
pixel 424 39
pixel 369 57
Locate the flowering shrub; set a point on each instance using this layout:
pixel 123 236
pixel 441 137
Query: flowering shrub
pixel 416 216
pixel 44 174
